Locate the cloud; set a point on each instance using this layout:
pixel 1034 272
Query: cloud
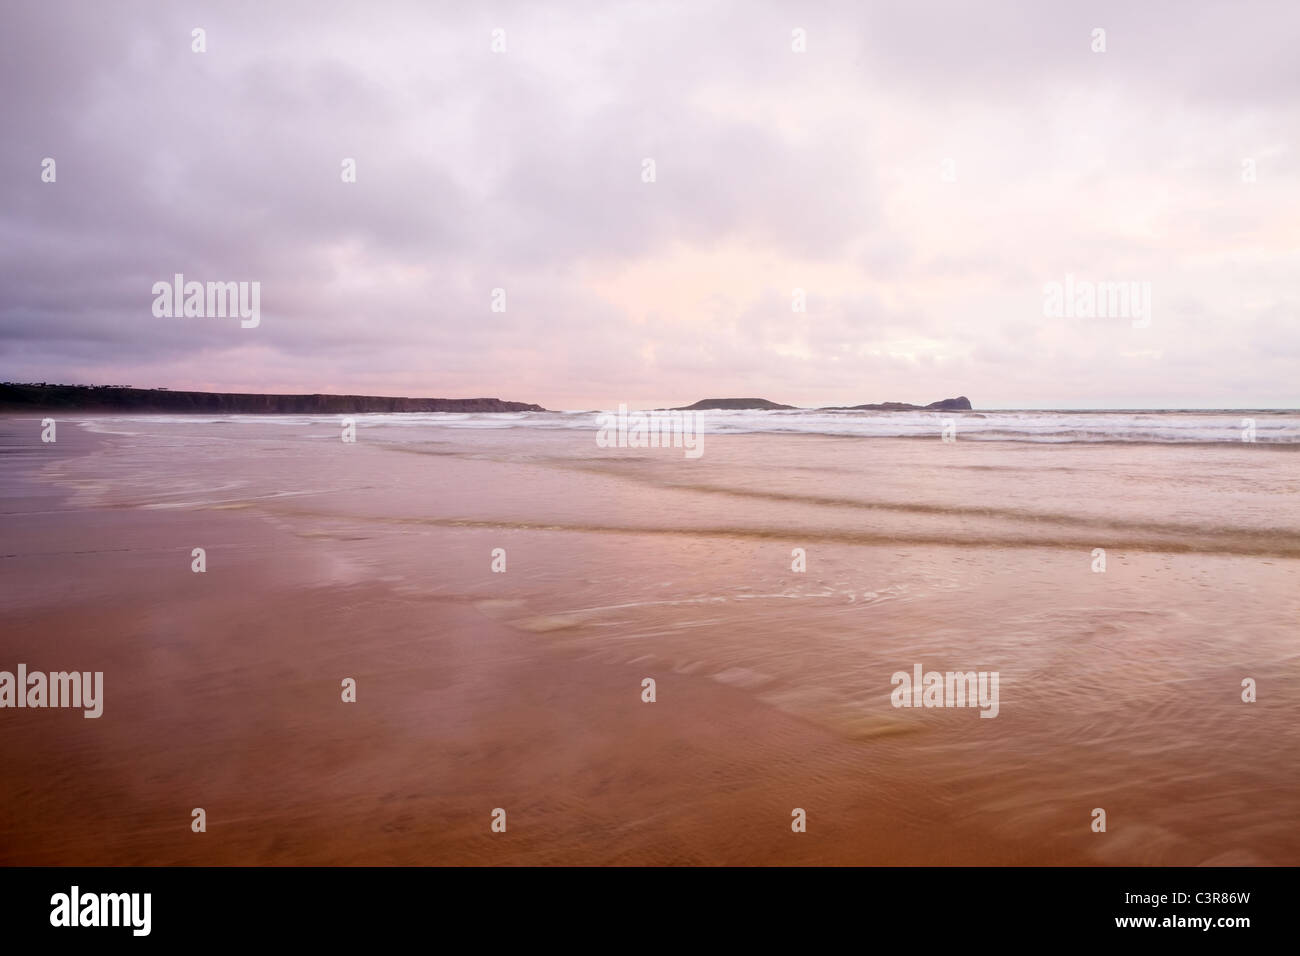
pixel 522 170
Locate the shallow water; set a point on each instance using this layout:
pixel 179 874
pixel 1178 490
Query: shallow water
pixel 1119 689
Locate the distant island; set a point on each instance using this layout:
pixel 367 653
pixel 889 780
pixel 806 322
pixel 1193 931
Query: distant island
pixel 959 404
pixel 710 403
pixel 113 398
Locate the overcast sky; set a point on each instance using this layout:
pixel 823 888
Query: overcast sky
pixel 922 171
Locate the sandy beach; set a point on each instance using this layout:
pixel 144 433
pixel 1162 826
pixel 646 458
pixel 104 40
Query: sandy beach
pixel 522 689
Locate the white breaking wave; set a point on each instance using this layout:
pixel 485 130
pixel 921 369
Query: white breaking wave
pixel 1266 426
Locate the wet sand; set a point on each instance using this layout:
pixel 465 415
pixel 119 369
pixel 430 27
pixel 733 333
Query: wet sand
pixel 522 689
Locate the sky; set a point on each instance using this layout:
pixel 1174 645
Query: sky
pixel 916 173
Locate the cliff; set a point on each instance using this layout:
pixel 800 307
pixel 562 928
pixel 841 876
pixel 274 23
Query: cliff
pixel 108 398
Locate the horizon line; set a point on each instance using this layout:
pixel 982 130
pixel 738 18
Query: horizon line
pixel 794 408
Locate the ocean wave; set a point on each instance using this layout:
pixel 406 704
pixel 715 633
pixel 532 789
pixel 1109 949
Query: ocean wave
pixel 1228 426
